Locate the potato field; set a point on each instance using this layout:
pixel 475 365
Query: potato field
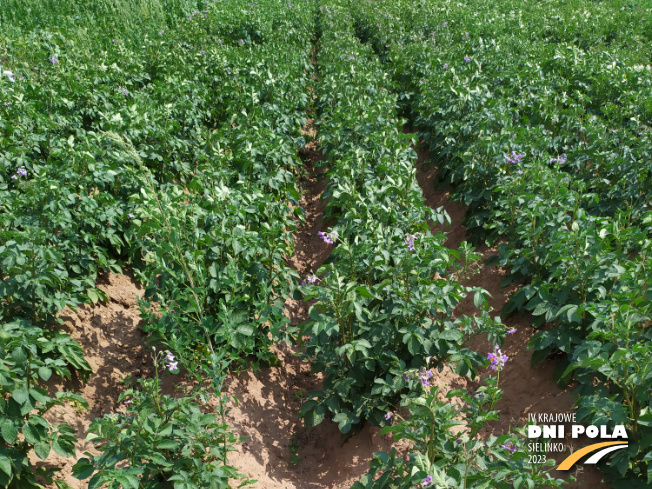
pixel 339 244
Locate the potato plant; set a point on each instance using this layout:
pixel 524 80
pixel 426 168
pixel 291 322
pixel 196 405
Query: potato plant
pixel 538 115
pixel 166 140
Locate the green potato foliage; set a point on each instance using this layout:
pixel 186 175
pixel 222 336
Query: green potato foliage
pixel 386 298
pixel 538 115
pixel 29 356
pixel 163 140
pixel 443 458
pixel 161 441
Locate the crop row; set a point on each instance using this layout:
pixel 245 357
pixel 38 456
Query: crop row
pixel 539 115
pixel 385 314
pixel 174 153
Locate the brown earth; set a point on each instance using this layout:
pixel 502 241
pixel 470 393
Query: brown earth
pixel 113 346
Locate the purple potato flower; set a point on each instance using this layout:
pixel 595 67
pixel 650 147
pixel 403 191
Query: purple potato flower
pixel 515 157
pixel 559 160
pixel 409 240
pixel 511 331
pixel 428 481
pixel 467 59
pixel 328 238
pixel 171 363
pixel 424 377
pixel 54 60
pixel 497 359
pixel 509 446
pixel 21 172
pixel 388 416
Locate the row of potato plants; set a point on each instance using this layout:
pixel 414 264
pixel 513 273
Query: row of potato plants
pixel 539 115
pixel 385 316
pixel 172 152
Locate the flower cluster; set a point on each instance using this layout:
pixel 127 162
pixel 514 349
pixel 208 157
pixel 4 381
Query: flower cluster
pixel 21 172
pixel 409 240
pixel 467 59
pixel 465 37
pixel 560 160
pixel 123 90
pixel 515 157
pixel 171 363
pixel 444 24
pixel 497 359
pixel 424 377
pixel 509 446
pixel 329 238
pixel 310 279
pixel 54 60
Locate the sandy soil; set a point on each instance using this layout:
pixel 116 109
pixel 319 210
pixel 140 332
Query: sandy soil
pixel 113 346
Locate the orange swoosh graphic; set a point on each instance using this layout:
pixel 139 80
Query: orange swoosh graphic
pixel 574 457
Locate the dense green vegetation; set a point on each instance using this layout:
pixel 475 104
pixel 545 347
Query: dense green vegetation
pixel 163 136
pixel 538 114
